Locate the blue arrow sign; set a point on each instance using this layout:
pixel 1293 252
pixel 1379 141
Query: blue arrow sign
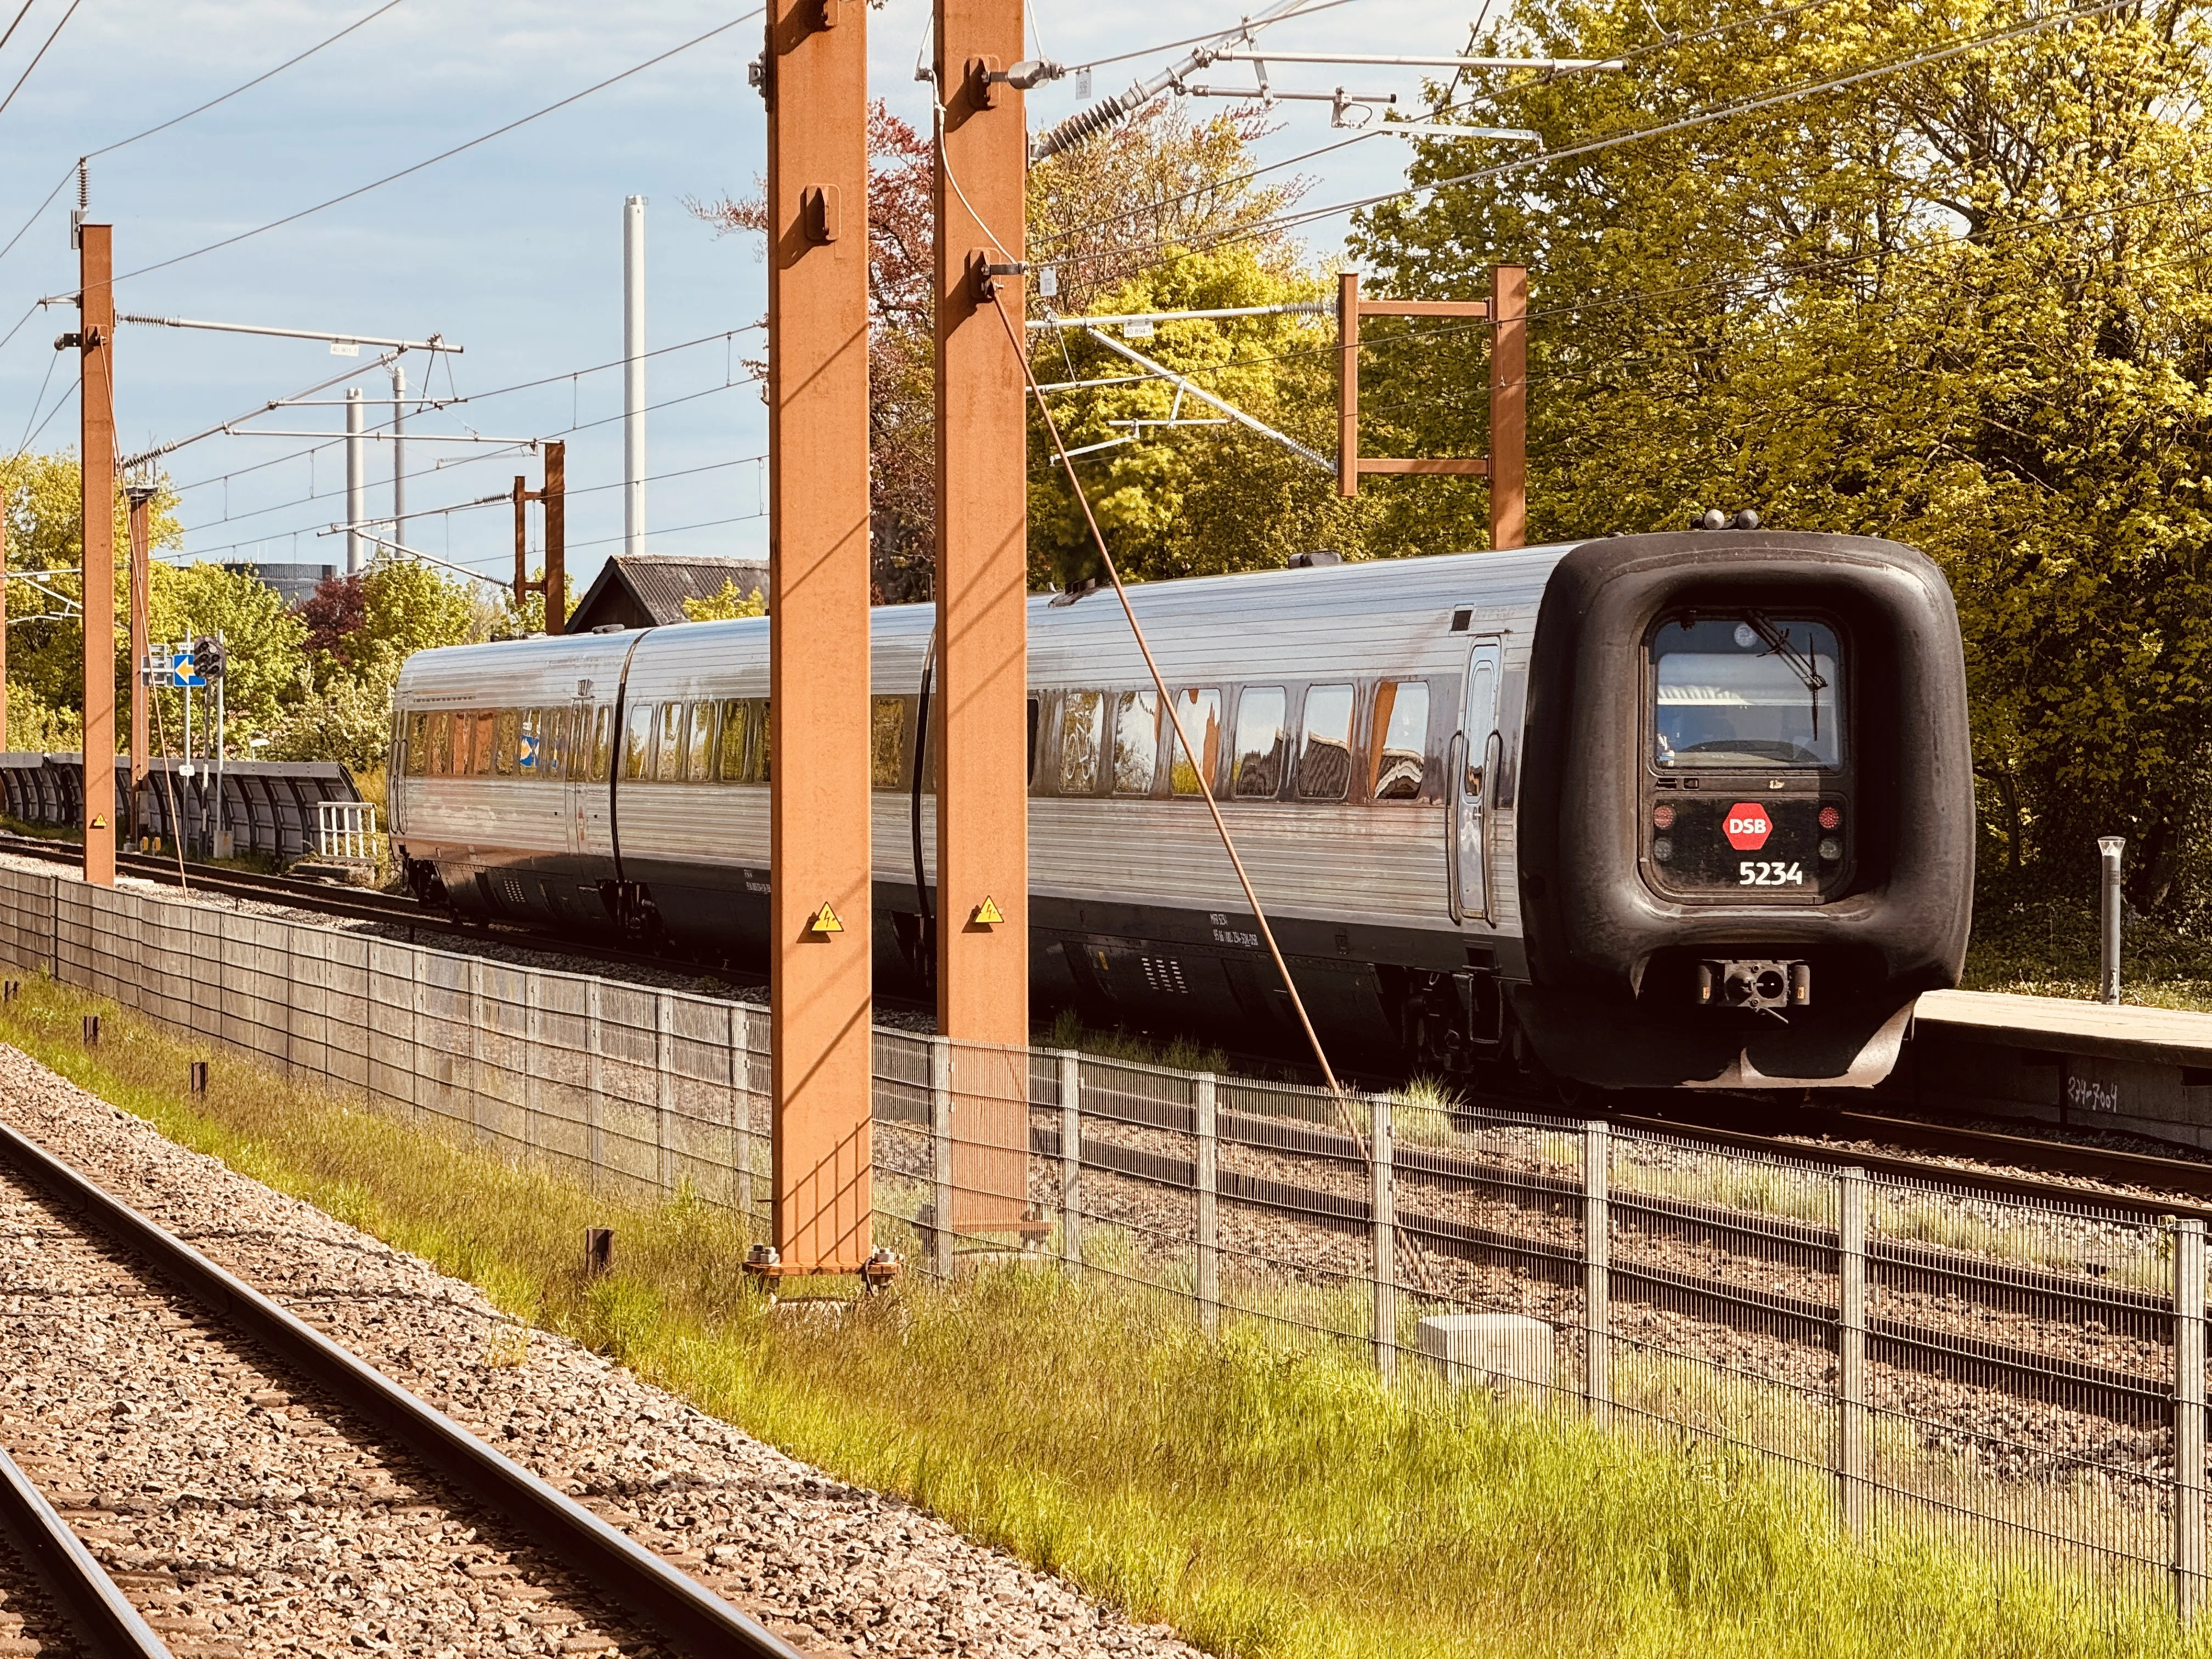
pixel 181 666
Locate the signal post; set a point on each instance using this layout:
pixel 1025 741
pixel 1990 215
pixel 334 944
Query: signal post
pixel 96 401
pixel 982 582
pixel 815 81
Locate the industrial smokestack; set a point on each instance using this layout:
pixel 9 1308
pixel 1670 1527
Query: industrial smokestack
pixel 634 374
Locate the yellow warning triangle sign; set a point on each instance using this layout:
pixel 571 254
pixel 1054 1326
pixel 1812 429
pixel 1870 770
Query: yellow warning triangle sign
pixel 98 822
pixel 825 921
pixel 987 913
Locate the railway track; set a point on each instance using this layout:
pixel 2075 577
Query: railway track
pixel 233 1464
pixel 55 1598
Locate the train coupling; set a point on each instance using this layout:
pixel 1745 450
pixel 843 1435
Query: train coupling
pixel 1762 985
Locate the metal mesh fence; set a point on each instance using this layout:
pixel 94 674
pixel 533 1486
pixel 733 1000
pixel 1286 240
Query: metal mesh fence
pixel 2025 1376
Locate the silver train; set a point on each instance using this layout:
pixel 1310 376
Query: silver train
pixel 1648 810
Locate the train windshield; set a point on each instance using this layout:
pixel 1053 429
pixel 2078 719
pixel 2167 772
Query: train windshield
pixel 1747 689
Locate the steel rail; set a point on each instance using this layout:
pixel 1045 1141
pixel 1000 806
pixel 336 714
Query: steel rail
pixel 98 1614
pixel 679 1608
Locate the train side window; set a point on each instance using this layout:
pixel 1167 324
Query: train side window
pixel 552 743
pixel 602 730
pixel 698 743
pixel 486 741
pixel 1259 764
pixel 637 744
pixel 1199 713
pixel 887 742
pixel 439 760
pixel 1325 755
pixel 1082 722
pixel 668 751
pixel 418 744
pixel 529 751
pixel 1136 742
pixel 1401 741
pixel 730 752
pixel 745 741
pixel 506 740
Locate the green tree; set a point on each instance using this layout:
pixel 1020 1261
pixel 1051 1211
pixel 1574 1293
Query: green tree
pixel 262 637
pixel 726 606
pixel 1958 304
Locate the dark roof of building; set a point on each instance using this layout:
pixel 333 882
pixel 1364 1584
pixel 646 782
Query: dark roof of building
pixel 647 590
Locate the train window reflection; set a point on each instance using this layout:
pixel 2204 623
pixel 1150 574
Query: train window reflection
pixel 1402 736
pixel 527 753
pixel 1199 713
pixel 699 743
pixel 442 744
pixel 745 741
pixel 601 732
pixel 1747 689
pixel 887 742
pixel 553 744
pixel 485 722
pixel 1325 756
pixel 1260 743
pixel 418 744
pixel 1136 741
pixel 637 745
pixel 668 749
pixel 1082 720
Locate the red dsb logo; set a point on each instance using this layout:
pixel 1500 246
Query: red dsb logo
pixel 1747 826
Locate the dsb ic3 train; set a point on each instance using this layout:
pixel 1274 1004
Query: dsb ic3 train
pixel 1647 811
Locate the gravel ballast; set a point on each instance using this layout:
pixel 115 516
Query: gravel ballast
pixel 832 1567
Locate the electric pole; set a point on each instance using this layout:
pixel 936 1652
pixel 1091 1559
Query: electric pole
pixel 398 453
pixel 356 479
pixel 814 75
pixel 983 569
pixel 3 619
pixel 141 497
pixel 553 495
pixel 96 454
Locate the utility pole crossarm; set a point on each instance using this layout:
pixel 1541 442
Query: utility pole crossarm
pixel 1206 397
pixel 435 343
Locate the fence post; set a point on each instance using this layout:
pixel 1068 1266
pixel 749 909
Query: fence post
pixel 663 1089
pixel 1597 1257
pixel 418 1000
pixel 476 1090
pixel 533 1039
pixel 1209 1253
pixel 741 1095
pixel 595 1085
pixel 1071 1159
pixel 1851 1488
pixel 2188 1418
pixel 940 1156
pixel 1382 1210
pixel 54 926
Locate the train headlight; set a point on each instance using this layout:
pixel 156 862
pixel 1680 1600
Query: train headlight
pixel 1831 848
pixel 1662 849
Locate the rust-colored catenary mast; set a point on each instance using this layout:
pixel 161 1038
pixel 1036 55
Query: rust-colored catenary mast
pixel 96 453
pixel 1506 467
pixel 815 80
pixel 141 497
pixel 983 569
pixel 553 493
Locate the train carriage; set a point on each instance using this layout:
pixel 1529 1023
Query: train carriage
pixel 1648 809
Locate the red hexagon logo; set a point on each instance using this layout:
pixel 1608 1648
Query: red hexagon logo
pixel 1747 826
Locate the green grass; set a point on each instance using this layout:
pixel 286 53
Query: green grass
pixel 1265 1502
pixel 1178 1053
pixel 2028 942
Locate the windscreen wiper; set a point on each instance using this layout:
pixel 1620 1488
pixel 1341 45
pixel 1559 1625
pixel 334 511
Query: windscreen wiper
pixel 1800 663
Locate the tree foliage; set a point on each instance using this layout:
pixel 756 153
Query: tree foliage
pixel 1958 304
pixel 728 604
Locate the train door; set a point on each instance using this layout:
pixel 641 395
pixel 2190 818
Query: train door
pixel 1475 752
pixel 585 785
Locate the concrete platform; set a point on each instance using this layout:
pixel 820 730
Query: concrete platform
pixel 2052 1059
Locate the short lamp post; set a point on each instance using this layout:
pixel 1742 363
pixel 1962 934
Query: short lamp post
pixel 2108 976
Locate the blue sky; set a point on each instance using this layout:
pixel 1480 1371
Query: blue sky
pixel 511 250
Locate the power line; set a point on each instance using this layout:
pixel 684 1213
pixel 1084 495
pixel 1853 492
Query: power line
pixel 18 23
pixel 40 55
pixel 444 154
pixel 1193 40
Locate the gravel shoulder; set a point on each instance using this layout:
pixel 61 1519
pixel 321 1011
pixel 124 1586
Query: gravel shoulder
pixel 834 1568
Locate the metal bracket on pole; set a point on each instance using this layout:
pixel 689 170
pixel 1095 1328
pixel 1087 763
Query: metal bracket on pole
pixel 1184 383
pixel 553 493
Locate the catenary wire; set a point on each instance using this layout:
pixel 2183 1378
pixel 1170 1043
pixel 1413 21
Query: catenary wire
pixel 444 154
pixel 40 57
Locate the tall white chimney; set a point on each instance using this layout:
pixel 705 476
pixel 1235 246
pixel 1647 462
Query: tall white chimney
pixel 634 374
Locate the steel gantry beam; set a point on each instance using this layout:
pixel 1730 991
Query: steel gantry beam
pixel 814 77
pixel 96 453
pixel 983 568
